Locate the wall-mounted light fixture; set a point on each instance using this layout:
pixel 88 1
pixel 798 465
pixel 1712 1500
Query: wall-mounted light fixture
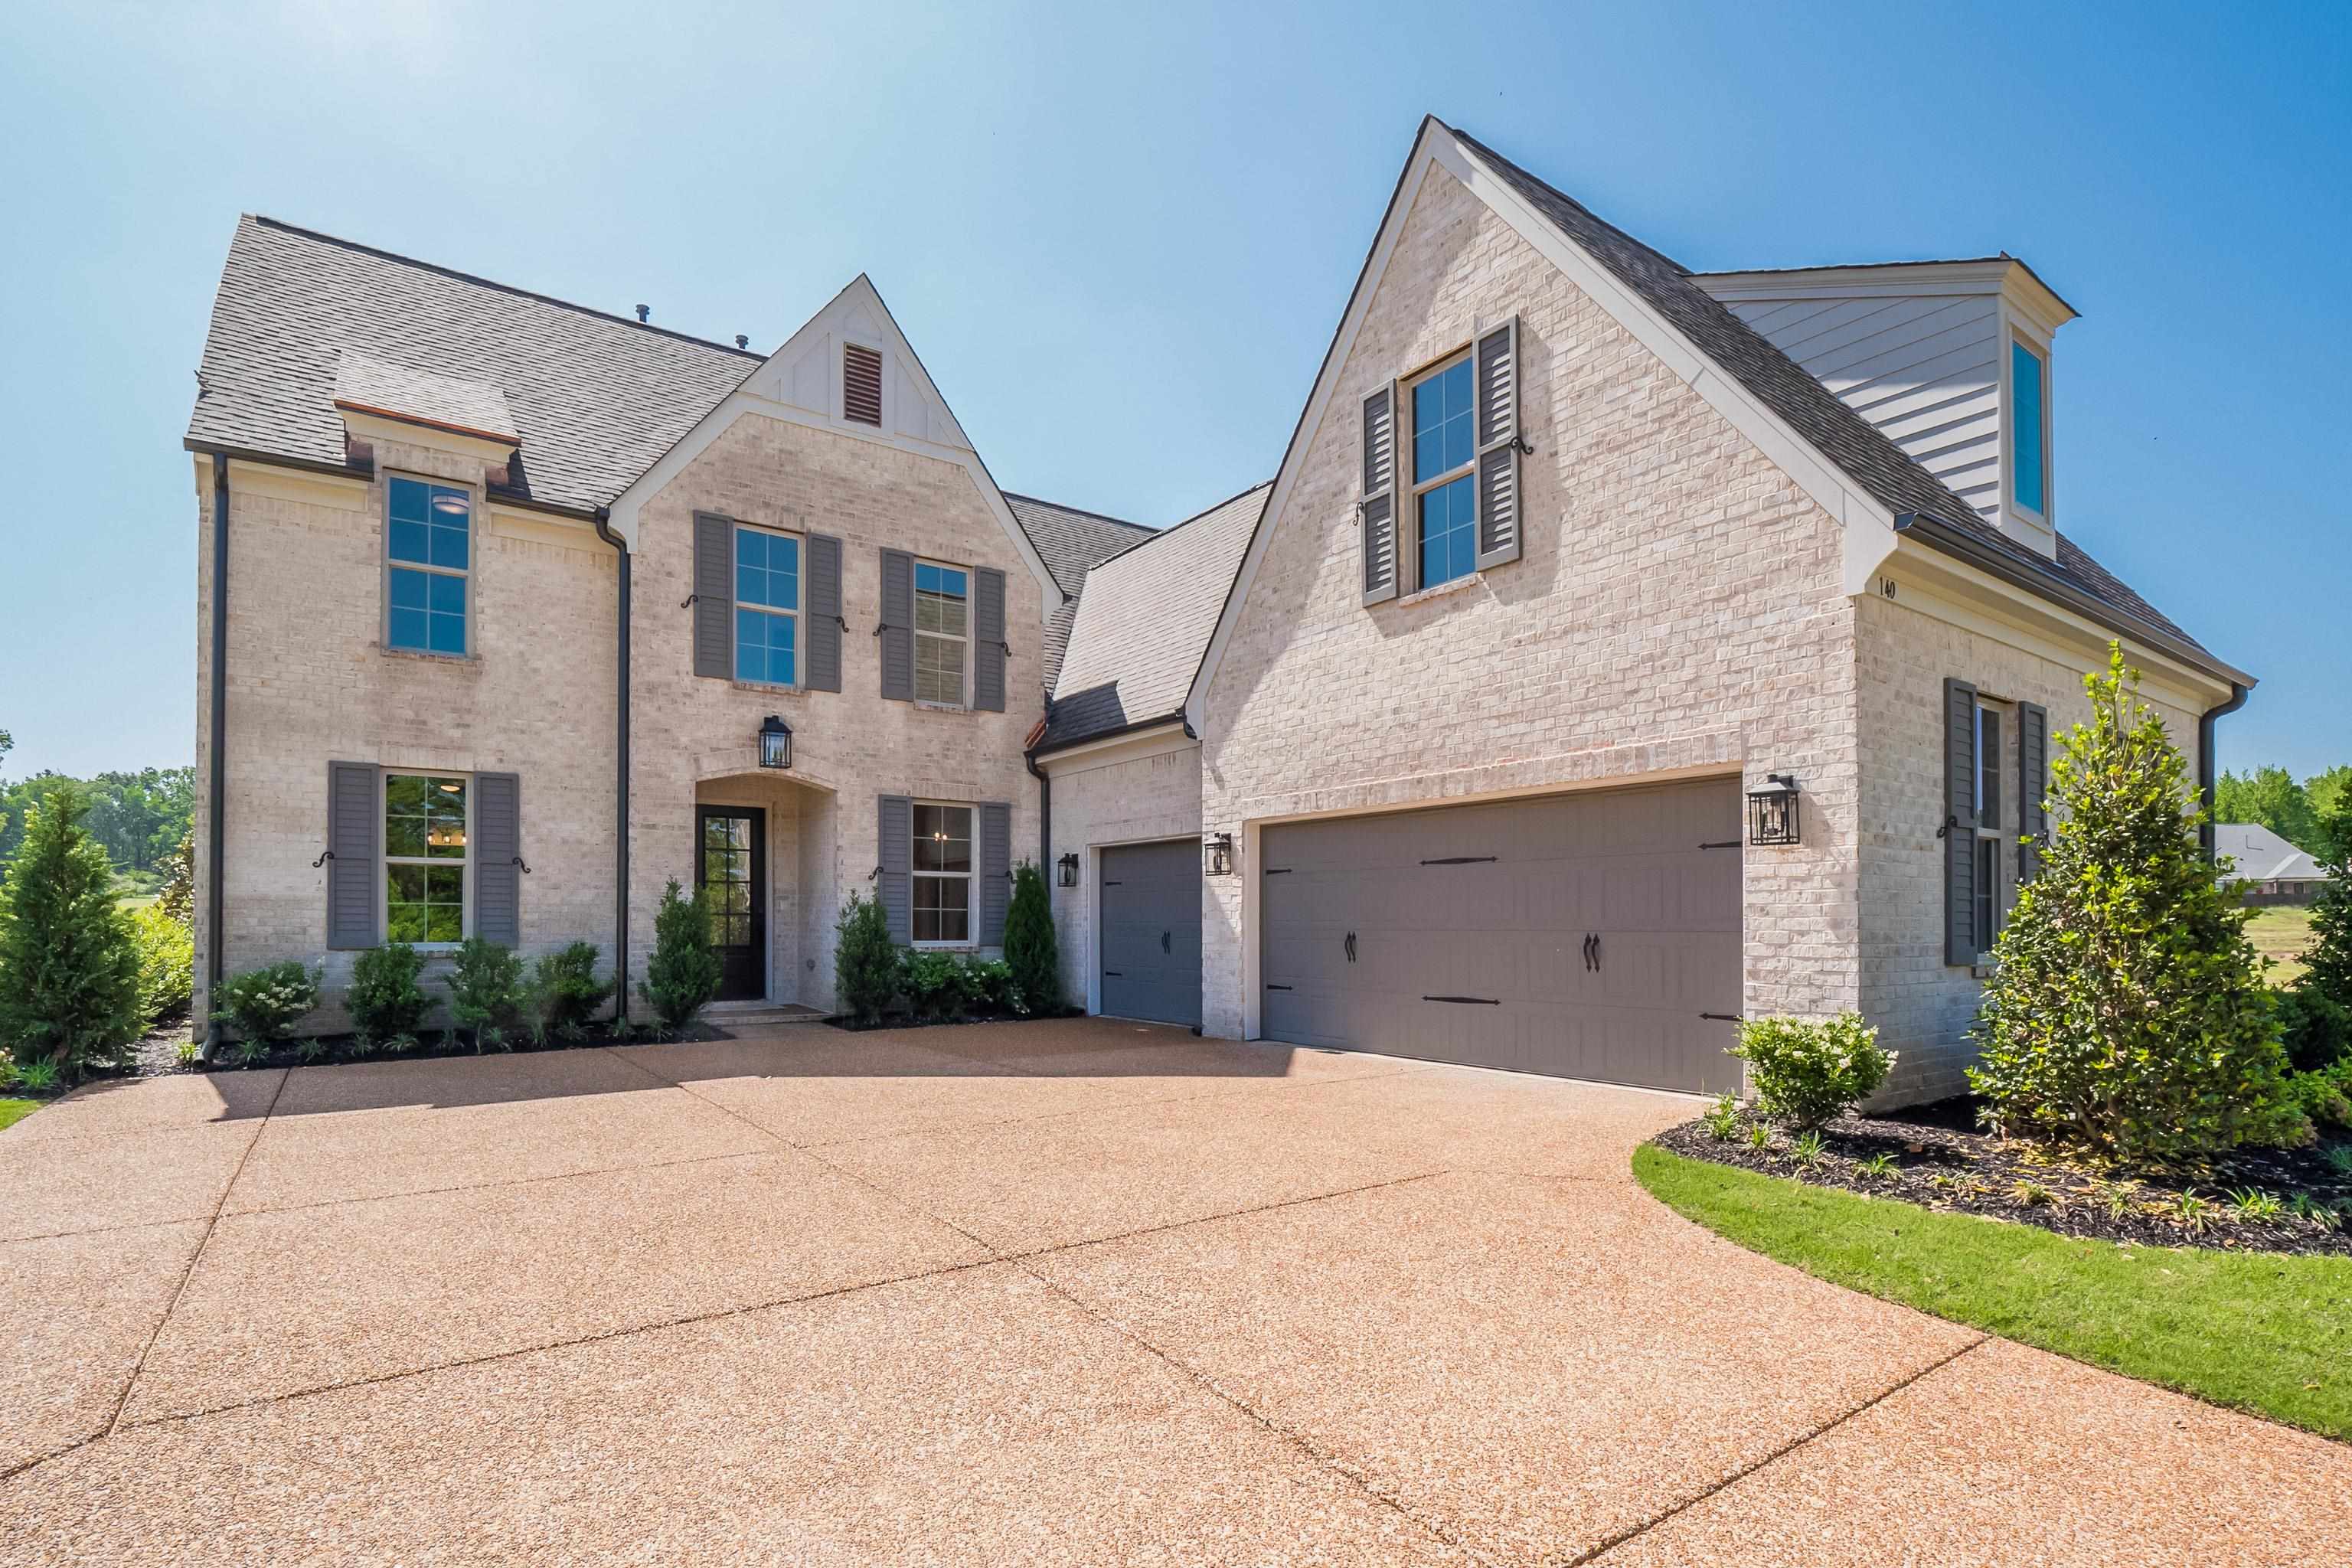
pixel 1772 811
pixel 1217 855
pixel 775 743
pixel 1068 867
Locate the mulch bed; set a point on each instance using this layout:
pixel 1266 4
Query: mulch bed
pixel 845 1022
pixel 1941 1163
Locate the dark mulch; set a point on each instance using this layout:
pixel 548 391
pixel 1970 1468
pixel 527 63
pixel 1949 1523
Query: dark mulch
pixel 976 1015
pixel 1940 1161
pixel 329 1050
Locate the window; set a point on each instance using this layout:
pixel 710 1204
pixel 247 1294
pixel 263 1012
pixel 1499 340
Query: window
pixel 429 544
pixel 2029 430
pixel 1445 498
pixel 942 605
pixel 942 874
pixel 767 606
pixel 1991 863
pixel 861 383
pixel 1987 893
pixel 1987 769
pixel 425 858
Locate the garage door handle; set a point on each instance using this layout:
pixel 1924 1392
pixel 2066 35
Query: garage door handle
pixel 1460 860
pixel 1469 1001
pixel 1116 974
pixel 1722 1017
pixel 1351 947
pixel 1163 943
pixel 1271 986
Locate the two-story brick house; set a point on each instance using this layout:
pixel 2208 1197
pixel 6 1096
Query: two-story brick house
pixel 1618 650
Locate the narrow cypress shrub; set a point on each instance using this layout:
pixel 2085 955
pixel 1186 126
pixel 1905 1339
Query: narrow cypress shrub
pixel 865 960
pixel 68 961
pixel 1030 945
pixel 683 973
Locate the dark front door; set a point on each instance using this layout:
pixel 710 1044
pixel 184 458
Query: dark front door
pixel 732 872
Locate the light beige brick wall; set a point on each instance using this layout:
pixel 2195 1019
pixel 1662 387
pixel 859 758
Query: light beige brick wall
pixel 1906 647
pixel 310 682
pixel 693 736
pixel 1679 608
pixel 1123 796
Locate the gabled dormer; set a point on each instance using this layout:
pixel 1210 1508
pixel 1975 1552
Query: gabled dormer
pixel 1950 359
pixel 849 365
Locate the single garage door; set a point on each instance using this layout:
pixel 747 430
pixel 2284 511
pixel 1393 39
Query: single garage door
pixel 1583 935
pixel 1152 932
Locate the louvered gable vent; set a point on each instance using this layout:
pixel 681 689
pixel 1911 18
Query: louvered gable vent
pixel 861 383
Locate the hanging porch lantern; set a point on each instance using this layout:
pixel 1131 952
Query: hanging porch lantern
pixel 1217 855
pixel 1067 869
pixel 1772 811
pixel 775 743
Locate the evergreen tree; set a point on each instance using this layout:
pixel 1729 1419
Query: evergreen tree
pixel 1030 947
pixel 2268 796
pixel 68 961
pixel 684 970
pixel 864 959
pixel 2328 960
pixel 2127 1013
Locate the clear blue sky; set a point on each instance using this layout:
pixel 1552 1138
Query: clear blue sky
pixel 1120 237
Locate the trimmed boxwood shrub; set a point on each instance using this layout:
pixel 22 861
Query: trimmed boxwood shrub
pixel 261 1005
pixel 1807 1072
pixel 486 989
pixel 384 999
pixel 565 992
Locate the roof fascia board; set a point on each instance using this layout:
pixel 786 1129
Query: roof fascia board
pixel 1153 738
pixel 1983 275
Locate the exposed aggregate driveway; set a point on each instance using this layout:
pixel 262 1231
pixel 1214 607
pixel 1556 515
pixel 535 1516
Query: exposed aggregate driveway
pixel 1081 1291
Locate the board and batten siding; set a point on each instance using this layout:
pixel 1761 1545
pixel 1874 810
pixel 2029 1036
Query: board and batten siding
pixel 1924 369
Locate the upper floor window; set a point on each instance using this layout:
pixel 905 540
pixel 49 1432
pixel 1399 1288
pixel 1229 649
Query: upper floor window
pixel 2029 430
pixel 767 606
pixel 943 632
pixel 429 547
pixel 942 865
pixel 1444 450
pixel 425 850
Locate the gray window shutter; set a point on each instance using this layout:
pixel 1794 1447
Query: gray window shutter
pixel 995 870
pixel 1959 822
pixel 352 915
pixel 498 853
pixel 1378 509
pixel 714 596
pixel 2032 787
pixel 898 628
pixel 823 617
pixel 988 645
pixel 1499 513
pixel 894 834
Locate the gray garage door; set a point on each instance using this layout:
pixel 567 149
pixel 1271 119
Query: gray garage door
pixel 1152 932
pixel 1583 935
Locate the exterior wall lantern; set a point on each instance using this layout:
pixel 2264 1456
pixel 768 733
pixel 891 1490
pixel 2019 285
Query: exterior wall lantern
pixel 775 743
pixel 1772 811
pixel 1068 865
pixel 1217 855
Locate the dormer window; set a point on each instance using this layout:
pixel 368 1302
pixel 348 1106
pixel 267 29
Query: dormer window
pixel 2029 430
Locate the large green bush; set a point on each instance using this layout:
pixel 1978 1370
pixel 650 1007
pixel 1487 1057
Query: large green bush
pixel 2328 960
pixel 937 985
pixel 2127 1013
pixel 485 991
pixel 167 961
pixel 1030 946
pixel 2313 1027
pixel 68 961
pixel 261 1005
pixel 1807 1072
pixel 565 992
pixel 683 973
pixel 384 999
pixel 865 960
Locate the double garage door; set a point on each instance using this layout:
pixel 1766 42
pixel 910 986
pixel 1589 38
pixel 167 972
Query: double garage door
pixel 1592 935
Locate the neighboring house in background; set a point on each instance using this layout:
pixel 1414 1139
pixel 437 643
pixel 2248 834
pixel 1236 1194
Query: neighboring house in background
pixel 1616 652
pixel 2270 869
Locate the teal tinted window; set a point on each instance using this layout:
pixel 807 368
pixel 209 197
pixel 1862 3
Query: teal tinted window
pixel 2029 462
pixel 763 647
pixel 1448 532
pixel 1442 436
pixel 428 534
pixel 767 569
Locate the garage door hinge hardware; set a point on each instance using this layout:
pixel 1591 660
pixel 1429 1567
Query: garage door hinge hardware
pixel 1722 843
pixel 1722 1017
pixel 1271 986
pixel 1459 860
pixel 1471 1001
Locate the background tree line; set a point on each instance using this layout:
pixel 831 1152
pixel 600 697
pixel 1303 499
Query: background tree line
pixel 2295 811
pixel 138 818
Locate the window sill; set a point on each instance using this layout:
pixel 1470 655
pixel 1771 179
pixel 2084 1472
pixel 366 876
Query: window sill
pixel 1457 585
pixel 418 653
pixel 767 687
pixel 942 707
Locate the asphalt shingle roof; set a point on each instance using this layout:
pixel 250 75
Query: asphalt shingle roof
pixel 1072 542
pixel 1866 455
pixel 2262 855
pixel 1144 621
pixel 595 399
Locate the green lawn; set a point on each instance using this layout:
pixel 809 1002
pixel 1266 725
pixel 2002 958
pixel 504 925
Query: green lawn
pixel 15 1111
pixel 2280 932
pixel 2258 1332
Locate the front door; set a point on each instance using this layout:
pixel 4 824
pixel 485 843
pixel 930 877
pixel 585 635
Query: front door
pixel 732 872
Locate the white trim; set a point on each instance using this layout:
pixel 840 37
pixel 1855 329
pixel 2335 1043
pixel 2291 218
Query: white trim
pixel 475 507
pixel 2039 522
pixel 385 859
pixel 2001 275
pixel 966 680
pixel 735 591
pixel 1869 527
pixel 1134 746
pixel 1093 901
pixel 1403 443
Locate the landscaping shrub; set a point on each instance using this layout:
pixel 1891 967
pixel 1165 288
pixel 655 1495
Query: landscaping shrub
pixel 935 987
pixel 2329 959
pixel 167 962
pixel 2325 1094
pixel 683 972
pixel 384 998
pixel 865 960
pixel 1807 1072
pixel 1031 949
pixel 565 992
pixel 68 961
pixel 989 982
pixel 2314 1027
pixel 2127 1013
pixel 177 897
pixel 486 989
pixel 261 1005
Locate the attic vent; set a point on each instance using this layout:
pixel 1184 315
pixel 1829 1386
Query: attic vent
pixel 861 383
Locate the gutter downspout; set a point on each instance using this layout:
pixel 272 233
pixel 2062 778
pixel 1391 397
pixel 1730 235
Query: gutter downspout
pixel 621 781
pixel 2208 772
pixel 216 782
